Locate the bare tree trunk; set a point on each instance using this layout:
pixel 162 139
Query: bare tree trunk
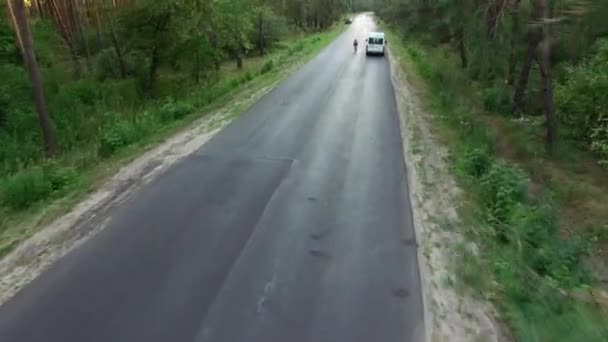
pixel 26 45
pixel 546 79
pixel 514 43
pixel 238 55
pixel 65 28
pixel 153 72
pixel 519 97
pixel 99 30
pixel 119 55
pixel 214 45
pixel 261 34
pixel 40 9
pixel 155 57
pixel 197 67
pixel 461 47
pixel 77 13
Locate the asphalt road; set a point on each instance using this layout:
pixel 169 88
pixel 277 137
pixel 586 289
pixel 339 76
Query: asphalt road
pixel 293 224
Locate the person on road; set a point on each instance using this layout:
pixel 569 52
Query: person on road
pixel 355 45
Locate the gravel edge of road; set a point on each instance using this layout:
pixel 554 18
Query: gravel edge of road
pixel 449 314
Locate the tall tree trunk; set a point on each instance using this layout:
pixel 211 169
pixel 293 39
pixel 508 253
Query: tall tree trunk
pixel 119 55
pixel 461 47
pixel 62 21
pixel 519 97
pixel 40 9
pixel 514 43
pixel 197 67
pixel 214 47
pixel 98 28
pixel 261 35
pixel 77 13
pixel 153 72
pixel 155 57
pixel 546 79
pixel 26 45
pixel 238 55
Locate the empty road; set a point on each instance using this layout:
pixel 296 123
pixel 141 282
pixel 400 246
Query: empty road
pixel 292 224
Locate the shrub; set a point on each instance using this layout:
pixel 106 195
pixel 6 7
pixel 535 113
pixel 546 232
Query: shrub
pixel 234 83
pixel 173 110
pixel 106 64
pixel 599 139
pixel 496 99
pixel 475 162
pixel 116 136
pixel 295 48
pixel 268 66
pixel 60 177
pixel 24 188
pixel 247 77
pixel 582 104
pixel 83 90
pixel 502 187
pixel 120 93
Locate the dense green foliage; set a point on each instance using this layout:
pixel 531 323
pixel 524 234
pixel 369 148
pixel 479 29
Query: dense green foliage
pixel 534 271
pixel 492 38
pixel 583 103
pixel 471 55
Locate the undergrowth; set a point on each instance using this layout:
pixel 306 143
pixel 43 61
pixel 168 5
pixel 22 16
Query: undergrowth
pixel 523 264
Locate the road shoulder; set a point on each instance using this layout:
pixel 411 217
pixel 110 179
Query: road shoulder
pixel 450 313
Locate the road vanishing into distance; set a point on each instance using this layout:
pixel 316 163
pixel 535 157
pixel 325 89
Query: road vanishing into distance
pixel 292 224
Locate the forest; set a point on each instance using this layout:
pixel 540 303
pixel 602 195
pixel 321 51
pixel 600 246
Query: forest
pixel 84 79
pixel 532 57
pixel 517 90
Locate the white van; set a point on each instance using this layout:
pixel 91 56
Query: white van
pixel 376 44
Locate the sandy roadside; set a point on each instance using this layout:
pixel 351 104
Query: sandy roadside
pixel 449 314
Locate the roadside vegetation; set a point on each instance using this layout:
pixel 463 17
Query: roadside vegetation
pixel 87 85
pixel 517 92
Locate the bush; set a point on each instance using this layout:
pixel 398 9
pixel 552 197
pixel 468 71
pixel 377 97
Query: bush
pixel 174 110
pixel 120 93
pixel 295 48
pixel 599 141
pixel 25 188
pixel 60 177
pixel 502 188
pixel 116 136
pixel 582 104
pixel 496 99
pixel 121 132
pixel 83 90
pixel 268 66
pixel 247 77
pixel 475 162
pixel 31 185
pixel 106 64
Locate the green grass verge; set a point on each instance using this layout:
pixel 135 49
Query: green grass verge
pixel 537 278
pixel 36 195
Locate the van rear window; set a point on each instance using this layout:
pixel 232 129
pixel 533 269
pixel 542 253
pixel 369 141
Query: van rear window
pixel 376 41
